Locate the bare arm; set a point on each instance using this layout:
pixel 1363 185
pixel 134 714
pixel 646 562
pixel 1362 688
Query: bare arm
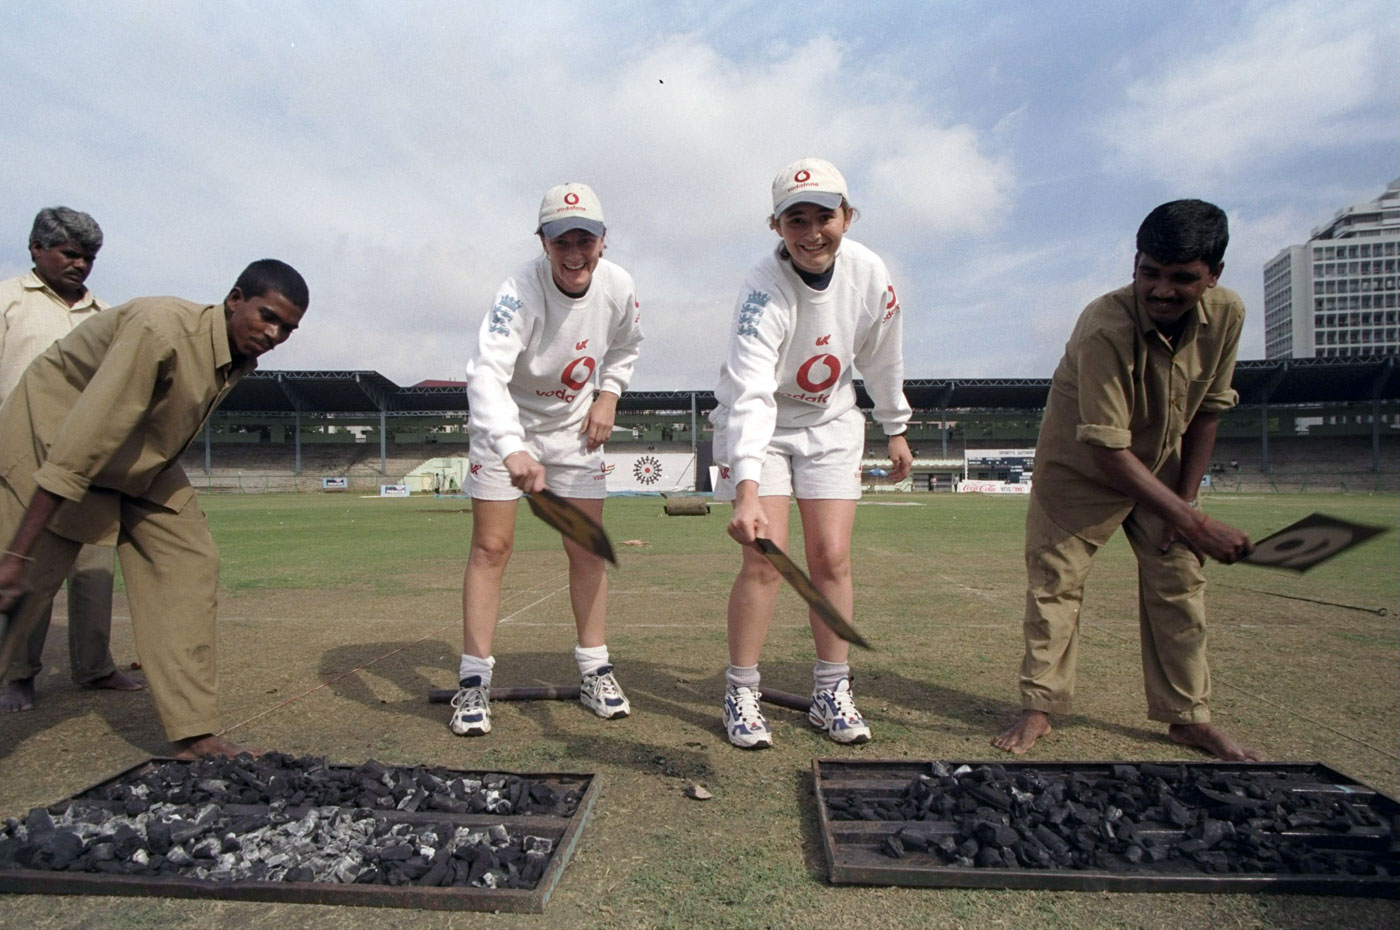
pixel 14 564
pixel 748 522
pixel 1125 473
pixel 1197 444
pixel 901 459
pixel 598 425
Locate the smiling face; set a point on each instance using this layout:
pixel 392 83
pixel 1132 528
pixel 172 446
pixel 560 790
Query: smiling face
pixel 572 258
pixel 1167 292
pixel 259 324
pixel 64 267
pixel 812 234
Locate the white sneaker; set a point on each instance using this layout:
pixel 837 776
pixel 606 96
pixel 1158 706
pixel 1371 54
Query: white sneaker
pixel 601 694
pixel 834 710
pixel 471 709
pixel 743 720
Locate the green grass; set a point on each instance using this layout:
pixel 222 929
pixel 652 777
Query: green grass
pixel 365 594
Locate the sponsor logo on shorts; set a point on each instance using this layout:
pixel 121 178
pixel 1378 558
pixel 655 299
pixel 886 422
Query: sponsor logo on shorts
pixel 605 469
pixel 474 468
pixel 724 472
pixel 647 469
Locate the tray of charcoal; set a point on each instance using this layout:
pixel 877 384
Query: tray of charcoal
pixel 302 830
pixel 1107 826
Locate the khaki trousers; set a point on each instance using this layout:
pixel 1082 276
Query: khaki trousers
pixel 89 621
pixel 171 568
pixel 1171 618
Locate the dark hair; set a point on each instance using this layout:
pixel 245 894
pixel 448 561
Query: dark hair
pixel 267 275
pixel 1183 231
pixel 55 226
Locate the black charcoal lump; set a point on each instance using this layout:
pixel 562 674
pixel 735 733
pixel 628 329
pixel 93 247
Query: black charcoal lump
pixel 293 820
pixel 1129 816
pixel 295 782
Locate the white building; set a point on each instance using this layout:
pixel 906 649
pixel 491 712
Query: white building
pixel 1336 295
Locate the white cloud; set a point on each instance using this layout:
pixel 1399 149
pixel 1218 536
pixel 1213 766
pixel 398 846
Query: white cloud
pixel 398 161
pixel 396 154
pixel 1294 77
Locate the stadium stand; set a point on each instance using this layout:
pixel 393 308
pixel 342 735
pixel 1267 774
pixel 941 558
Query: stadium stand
pixel 1303 425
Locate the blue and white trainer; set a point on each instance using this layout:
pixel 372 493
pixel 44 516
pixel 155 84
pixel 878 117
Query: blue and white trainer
pixel 601 694
pixel 743 720
pixel 834 710
pixel 471 708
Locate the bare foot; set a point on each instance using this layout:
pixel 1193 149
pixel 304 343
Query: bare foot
pixel 1021 735
pixel 117 682
pixel 1206 736
pixel 201 747
pixel 17 695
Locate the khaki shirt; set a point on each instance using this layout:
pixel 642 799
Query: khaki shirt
pixel 107 410
pixel 1122 385
pixel 32 318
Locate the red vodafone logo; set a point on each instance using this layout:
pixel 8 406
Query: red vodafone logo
pixel 826 367
pixel 577 373
pixel 802 176
pixel 893 301
pixel 571 199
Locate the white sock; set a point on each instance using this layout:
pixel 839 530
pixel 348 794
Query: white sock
pixel 590 659
pixel 742 676
pixel 827 675
pixel 476 667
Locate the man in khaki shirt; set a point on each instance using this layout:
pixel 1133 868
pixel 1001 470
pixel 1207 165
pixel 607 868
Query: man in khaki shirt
pixel 90 442
pixel 1127 434
pixel 35 310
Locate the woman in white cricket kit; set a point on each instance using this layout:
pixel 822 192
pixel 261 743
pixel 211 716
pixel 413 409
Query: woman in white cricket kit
pixel 554 354
pixel 815 308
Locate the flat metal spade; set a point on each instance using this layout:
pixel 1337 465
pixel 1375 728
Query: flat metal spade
pixel 572 522
pixel 814 598
pixel 1311 541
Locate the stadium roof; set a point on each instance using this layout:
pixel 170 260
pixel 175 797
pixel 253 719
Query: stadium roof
pixel 360 393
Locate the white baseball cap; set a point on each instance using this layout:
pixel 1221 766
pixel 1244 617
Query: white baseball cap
pixel 570 206
pixel 808 180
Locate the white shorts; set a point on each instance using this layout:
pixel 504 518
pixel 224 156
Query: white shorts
pixel 810 463
pixel 571 470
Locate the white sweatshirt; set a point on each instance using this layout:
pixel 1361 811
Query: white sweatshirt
pixel 792 351
pixel 540 353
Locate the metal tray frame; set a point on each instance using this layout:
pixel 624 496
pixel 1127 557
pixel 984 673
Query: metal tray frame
pixel 563 831
pixel 853 853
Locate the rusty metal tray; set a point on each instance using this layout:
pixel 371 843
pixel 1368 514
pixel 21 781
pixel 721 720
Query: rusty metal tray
pixel 854 855
pixel 563 831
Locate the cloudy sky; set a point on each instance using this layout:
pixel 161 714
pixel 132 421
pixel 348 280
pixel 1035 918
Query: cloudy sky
pixel 1001 155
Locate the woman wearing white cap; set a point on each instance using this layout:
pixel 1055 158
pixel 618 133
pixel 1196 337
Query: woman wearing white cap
pixel 815 308
pixel 554 354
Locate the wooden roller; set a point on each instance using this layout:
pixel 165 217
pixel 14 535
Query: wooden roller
pixel 687 507
pixel 529 693
pixel 570 693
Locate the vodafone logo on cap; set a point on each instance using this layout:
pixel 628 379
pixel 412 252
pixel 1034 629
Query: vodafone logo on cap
pixel 571 199
pixel 803 175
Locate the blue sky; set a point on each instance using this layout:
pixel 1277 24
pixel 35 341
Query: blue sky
pixel 1001 155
